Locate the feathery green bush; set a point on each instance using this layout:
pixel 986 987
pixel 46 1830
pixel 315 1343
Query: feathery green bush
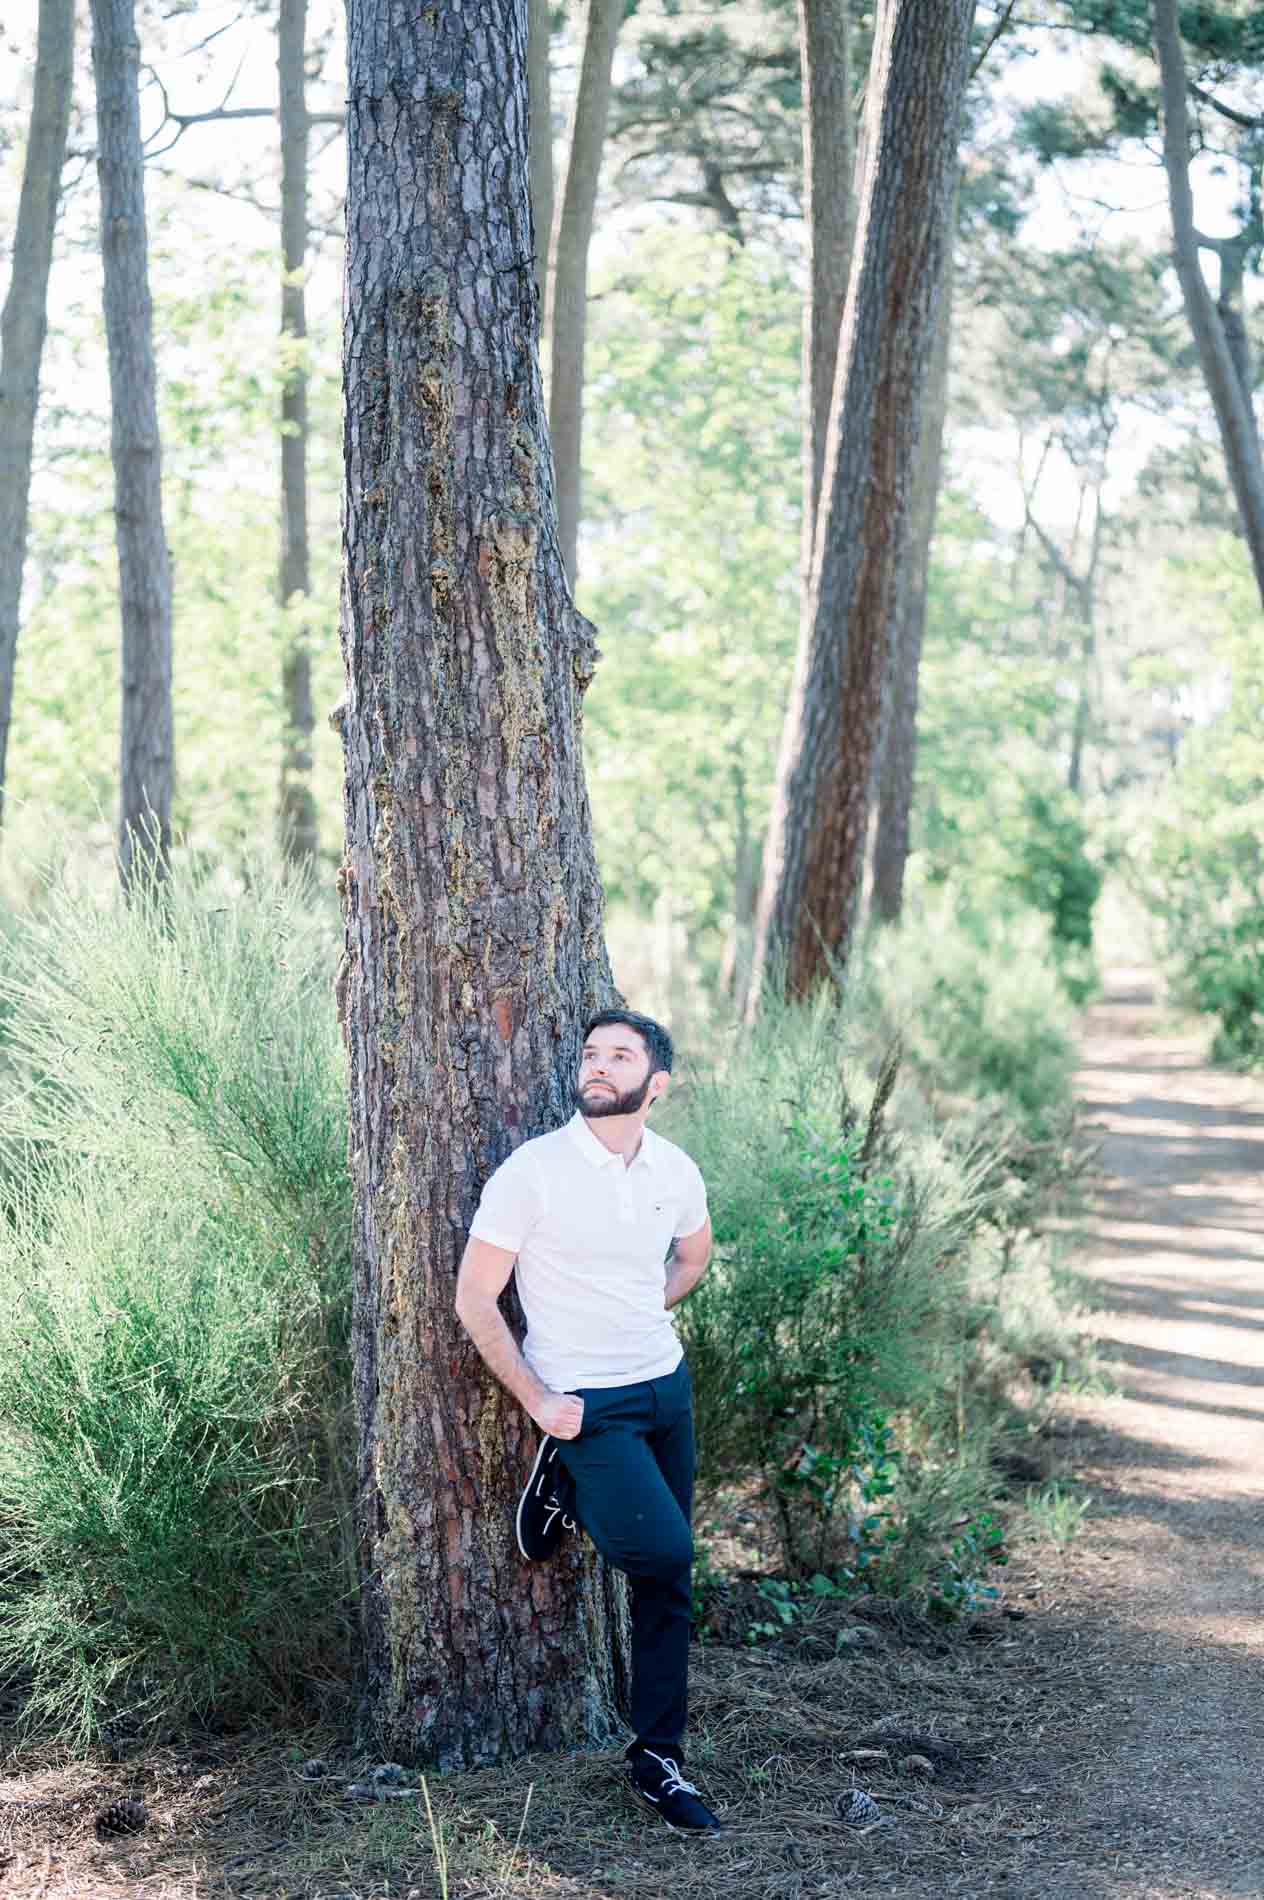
pixel 174 1290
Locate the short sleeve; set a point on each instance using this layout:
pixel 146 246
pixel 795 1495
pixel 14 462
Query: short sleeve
pixel 511 1203
pixel 693 1211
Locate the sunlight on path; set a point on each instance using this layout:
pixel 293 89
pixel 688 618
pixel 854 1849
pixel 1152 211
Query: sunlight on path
pixel 1171 1566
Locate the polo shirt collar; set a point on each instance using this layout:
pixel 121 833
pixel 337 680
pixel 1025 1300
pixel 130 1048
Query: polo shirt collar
pixel 597 1153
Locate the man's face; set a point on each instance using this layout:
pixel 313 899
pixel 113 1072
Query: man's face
pixel 614 1073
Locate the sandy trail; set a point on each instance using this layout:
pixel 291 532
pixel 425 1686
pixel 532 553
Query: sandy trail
pixel 1166 1581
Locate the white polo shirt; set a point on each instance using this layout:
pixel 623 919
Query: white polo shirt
pixel 592 1236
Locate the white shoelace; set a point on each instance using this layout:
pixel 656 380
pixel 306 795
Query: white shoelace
pixel 551 1511
pixel 675 1782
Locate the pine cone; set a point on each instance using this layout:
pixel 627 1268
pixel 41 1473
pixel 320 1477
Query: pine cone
pixel 121 1817
pixel 857 1809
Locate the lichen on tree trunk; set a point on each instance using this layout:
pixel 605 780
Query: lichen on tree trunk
pixel 471 897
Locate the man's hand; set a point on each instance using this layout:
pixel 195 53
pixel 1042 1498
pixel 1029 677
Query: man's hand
pixel 559 1414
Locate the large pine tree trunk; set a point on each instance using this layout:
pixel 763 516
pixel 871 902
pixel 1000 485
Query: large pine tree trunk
pixel 24 322
pixel 471 896
pixel 818 832
pixel 147 751
pixel 540 95
pixel 298 824
pixel 898 769
pixel 568 274
pixel 1235 415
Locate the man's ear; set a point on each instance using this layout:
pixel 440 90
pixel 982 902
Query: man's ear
pixel 663 1081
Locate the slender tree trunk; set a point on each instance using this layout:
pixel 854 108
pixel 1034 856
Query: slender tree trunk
pixel 147 753
pixel 818 832
pixel 1235 415
pixel 472 904
pixel 567 315
pixel 540 94
pixel 1086 602
pixel 829 210
pixel 24 322
pixel 298 823
pixel 734 971
pixel 898 772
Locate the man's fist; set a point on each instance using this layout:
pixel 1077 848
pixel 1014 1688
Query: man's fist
pixel 560 1415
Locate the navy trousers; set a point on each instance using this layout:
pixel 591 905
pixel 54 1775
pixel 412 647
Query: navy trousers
pixel 633 1466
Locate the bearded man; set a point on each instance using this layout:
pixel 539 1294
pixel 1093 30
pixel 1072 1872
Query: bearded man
pixel 606 1225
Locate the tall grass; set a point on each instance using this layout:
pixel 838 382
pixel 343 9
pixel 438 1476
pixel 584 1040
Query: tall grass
pixel 174 1285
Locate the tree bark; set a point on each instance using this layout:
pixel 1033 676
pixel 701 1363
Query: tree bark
pixel 1235 415
pixel 818 831
pixel 298 823
pixel 147 751
pixel 24 323
pixel 540 95
pixel 829 211
pixel 472 903
pixel 898 771
pixel 567 312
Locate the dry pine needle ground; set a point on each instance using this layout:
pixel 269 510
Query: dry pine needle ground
pixel 958 1741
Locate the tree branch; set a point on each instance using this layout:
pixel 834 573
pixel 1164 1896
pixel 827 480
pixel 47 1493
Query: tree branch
pixel 1001 27
pixel 1248 121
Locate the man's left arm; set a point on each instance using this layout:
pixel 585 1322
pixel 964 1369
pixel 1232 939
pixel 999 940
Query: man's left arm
pixel 688 1263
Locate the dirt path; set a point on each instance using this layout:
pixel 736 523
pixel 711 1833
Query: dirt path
pixel 1166 1581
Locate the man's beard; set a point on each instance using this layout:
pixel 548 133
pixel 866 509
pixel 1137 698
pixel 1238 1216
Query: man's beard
pixel 593 1107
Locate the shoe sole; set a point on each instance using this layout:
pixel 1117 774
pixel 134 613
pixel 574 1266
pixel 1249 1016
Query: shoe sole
pixel 541 1458
pixel 643 1802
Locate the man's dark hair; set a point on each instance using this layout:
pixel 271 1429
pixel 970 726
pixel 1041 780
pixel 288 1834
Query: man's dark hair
pixel 652 1034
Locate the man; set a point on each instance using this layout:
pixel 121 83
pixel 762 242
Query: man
pixel 589 1214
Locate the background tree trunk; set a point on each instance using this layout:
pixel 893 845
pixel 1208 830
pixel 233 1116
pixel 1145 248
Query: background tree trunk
pixel 1239 432
pixel 147 763
pixel 818 833
pixel 567 314
pixel 898 771
pixel 471 895
pixel 829 212
pixel 298 822
pixel 540 94
pixel 24 323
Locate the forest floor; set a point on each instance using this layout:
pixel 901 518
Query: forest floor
pixel 1101 1734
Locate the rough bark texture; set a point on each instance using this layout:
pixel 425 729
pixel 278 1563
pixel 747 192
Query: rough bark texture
pixel 540 95
pixel 24 322
pixel 817 835
pixel 147 751
pixel 1235 415
pixel 829 210
pixel 299 829
pixel 898 771
pixel 567 315
pixel 471 897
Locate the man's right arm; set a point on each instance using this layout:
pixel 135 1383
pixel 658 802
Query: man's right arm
pixel 484 1274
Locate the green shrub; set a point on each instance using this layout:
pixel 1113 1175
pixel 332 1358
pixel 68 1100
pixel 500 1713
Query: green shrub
pixel 839 1281
pixel 980 1008
pixel 1203 873
pixel 878 1284
pixel 174 1430
pixel 1206 889
pixel 1053 871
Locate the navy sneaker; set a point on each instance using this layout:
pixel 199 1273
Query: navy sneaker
pixel 546 1509
pixel 659 1785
